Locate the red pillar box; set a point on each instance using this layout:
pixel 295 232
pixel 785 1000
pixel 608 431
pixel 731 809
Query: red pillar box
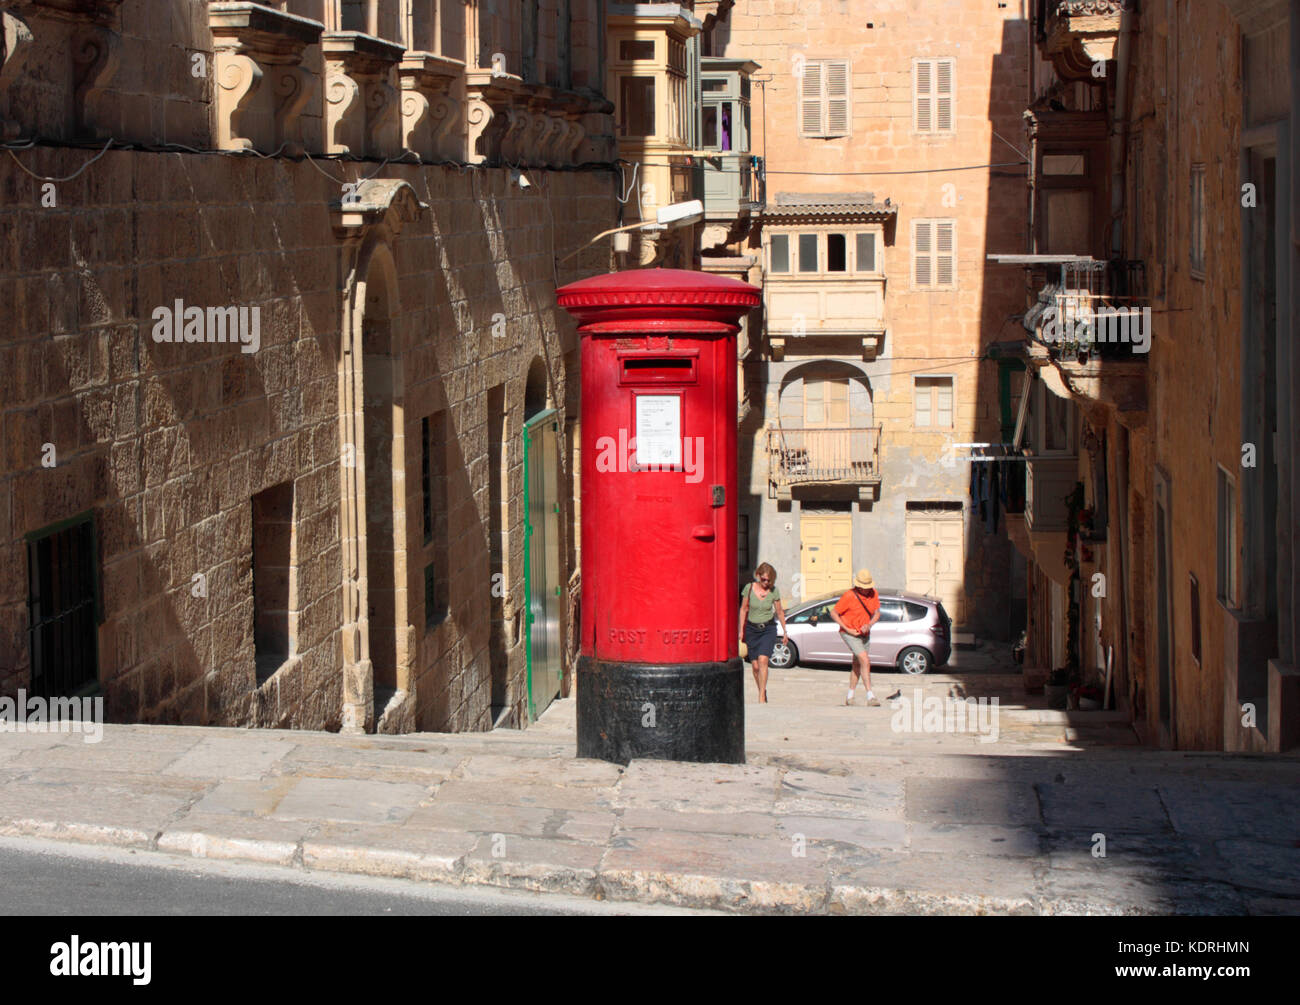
pixel 659 673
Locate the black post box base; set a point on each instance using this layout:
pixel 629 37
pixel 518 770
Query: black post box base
pixel 671 712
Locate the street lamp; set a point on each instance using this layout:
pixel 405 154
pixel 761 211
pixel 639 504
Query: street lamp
pixel 670 217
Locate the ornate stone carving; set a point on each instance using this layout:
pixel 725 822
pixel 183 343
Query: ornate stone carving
pixel 14 39
pixel 428 109
pixel 361 66
pixel 489 98
pixel 387 200
pixel 1079 34
pixel 383 118
pixel 238 78
pixel 343 120
pixel 96 52
pixel 293 87
pixel 252 43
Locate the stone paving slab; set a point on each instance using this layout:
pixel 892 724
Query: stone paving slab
pixel 1108 809
pixel 379 763
pixel 249 756
pixel 114 757
pixel 522 821
pixel 495 792
pixel 971 801
pixel 350 800
pixel 1217 809
pixel 811 792
pixel 871 835
pixel 976 839
pixel 82 806
pixel 543 771
pixel 699 788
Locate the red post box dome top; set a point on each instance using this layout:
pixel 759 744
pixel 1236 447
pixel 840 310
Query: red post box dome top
pixel 658 301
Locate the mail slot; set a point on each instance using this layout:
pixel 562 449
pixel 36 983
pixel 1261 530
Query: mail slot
pixel 658 534
pixel 657 369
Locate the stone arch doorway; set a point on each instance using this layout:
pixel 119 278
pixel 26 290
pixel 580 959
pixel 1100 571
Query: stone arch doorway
pixel 385 602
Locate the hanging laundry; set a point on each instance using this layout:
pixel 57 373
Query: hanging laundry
pixel 994 493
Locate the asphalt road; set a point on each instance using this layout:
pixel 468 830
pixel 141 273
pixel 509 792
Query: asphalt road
pixel 43 878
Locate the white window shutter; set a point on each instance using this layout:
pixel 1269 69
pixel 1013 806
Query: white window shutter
pixel 837 98
pixel 922 413
pixel 922 252
pixel 943 403
pixel 943 95
pixel 944 253
pixel 922 95
pixel 810 100
pixel 813 396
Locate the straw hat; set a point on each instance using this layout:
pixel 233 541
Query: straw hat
pixel 863 580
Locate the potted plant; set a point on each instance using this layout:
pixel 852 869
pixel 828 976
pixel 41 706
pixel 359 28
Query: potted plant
pixel 1087 697
pixel 1057 688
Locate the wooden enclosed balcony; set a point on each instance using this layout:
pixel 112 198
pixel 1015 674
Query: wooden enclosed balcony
pixel 800 456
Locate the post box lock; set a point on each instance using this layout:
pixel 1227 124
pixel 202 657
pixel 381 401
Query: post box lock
pixel 719 495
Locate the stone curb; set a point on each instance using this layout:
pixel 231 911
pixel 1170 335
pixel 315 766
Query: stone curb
pixel 675 889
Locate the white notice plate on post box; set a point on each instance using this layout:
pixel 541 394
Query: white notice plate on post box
pixel 658 430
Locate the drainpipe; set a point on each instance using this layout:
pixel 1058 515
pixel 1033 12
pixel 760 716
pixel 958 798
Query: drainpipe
pixel 1119 130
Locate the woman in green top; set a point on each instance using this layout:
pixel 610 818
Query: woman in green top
pixel 760 606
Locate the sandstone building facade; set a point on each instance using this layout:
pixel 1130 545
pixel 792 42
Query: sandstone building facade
pixel 279 342
pixel 880 140
pixel 1162 519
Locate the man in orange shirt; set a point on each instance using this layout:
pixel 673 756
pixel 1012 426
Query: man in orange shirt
pixel 855 613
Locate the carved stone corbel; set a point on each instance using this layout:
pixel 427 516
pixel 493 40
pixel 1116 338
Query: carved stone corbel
pixel 518 119
pixel 238 78
pixel 293 87
pixel 15 37
pixel 92 45
pixel 96 53
pixel 252 43
pixel 383 118
pixel 428 109
pixel 489 99
pixel 362 114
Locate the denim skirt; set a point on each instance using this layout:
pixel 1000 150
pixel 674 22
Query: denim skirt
pixel 760 639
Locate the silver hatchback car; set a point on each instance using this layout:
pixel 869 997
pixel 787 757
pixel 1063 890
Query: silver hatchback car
pixel 914 633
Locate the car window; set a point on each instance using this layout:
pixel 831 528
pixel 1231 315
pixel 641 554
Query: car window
pixel 915 612
pixel 803 617
pixel 891 610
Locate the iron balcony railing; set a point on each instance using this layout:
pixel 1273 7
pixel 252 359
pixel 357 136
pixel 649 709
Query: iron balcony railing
pixel 800 456
pixel 1097 306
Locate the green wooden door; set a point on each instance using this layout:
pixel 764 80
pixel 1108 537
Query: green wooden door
pixel 542 561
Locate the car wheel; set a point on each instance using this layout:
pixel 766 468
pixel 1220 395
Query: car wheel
pixel 914 660
pixel 784 656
